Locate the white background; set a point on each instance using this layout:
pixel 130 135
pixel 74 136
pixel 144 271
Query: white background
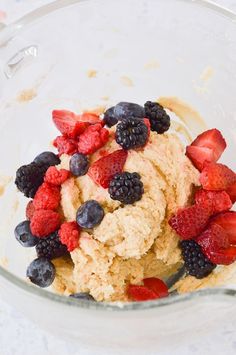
pixel 18 336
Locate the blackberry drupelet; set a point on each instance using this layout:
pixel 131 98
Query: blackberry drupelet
pixel 131 133
pixel 159 120
pixel 51 247
pixel 196 263
pixel 29 178
pixel 126 188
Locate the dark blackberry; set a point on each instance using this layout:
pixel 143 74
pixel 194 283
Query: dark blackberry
pixel 159 120
pixel 50 247
pixel 29 178
pixel 196 263
pixel 131 133
pixel 109 117
pixel 126 188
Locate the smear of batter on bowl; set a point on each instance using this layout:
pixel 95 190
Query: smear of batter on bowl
pixel 4 182
pixel 27 95
pixel 126 81
pixel 92 73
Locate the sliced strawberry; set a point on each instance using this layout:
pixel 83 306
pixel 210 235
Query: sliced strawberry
pixel 72 125
pixel 157 286
pixel 140 293
pixel 65 145
pixel 218 201
pixel 213 239
pixel 199 156
pixel 216 176
pixel 223 256
pixel 190 221
pixel 93 138
pixel 231 190
pixel 211 139
pixel 227 221
pixel 103 170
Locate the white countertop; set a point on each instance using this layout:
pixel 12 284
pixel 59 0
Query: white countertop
pixel 18 336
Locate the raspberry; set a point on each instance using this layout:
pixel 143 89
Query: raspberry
pixel 30 210
pixel 65 145
pixel 44 222
pixel 47 197
pixel 141 293
pixel 56 177
pixel 92 139
pixel 69 235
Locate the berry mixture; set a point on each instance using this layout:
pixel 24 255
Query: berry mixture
pixel 120 207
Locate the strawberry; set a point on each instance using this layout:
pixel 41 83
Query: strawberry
pixel 199 156
pixel 190 221
pixel 72 125
pixel 93 138
pixel 223 256
pixel 218 201
pixel 213 239
pixel 210 144
pixel 103 170
pixel 217 177
pixel 157 286
pixel 231 190
pixel 148 124
pixel 211 139
pixel 227 221
pixel 140 293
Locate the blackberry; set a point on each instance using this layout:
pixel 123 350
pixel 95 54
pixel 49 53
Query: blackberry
pixel 29 178
pixel 41 272
pixel 159 120
pixel 131 133
pixel 196 263
pixel 82 296
pixel 126 188
pixel 110 118
pixel 51 247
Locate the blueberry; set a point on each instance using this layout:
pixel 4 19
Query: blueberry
pixel 79 164
pixel 41 272
pixel 24 236
pixel 83 296
pixel 89 214
pixel 109 117
pixel 47 159
pixel 128 109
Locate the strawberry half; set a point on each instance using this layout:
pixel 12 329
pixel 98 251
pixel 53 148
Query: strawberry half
pixel 140 293
pixel 207 147
pixel 227 221
pixel 216 176
pixel 103 170
pixel 157 286
pixel 223 256
pixel 218 201
pixel 231 191
pixel 72 125
pixel 190 221
pixel 213 239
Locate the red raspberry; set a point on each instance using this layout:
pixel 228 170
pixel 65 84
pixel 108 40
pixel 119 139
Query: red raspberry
pixel 65 145
pixel 47 197
pixel 30 210
pixel 92 139
pixel 56 177
pixel 44 222
pixel 69 235
pixel 140 293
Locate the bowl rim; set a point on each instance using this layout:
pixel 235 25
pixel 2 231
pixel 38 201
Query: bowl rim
pixel 8 32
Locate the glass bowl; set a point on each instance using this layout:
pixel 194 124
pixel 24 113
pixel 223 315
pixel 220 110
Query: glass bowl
pixel 80 54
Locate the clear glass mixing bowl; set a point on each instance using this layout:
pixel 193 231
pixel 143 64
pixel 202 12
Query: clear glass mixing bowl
pixel 78 54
